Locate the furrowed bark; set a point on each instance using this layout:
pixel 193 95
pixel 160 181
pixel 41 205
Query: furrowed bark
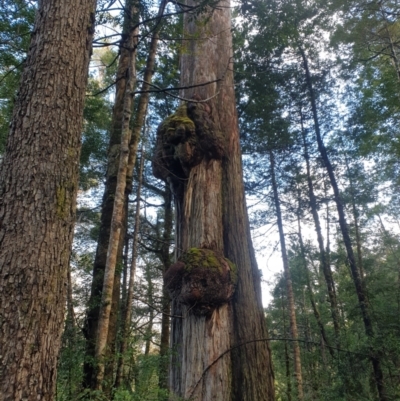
pixel 38 187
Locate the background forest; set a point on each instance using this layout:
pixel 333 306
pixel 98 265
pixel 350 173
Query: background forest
pixel 318 95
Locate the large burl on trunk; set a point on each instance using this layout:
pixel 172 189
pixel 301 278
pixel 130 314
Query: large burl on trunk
pixel 214 284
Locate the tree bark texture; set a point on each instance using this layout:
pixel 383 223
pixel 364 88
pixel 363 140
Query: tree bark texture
pixel 38 186
pixel 357 280
pixel 215 284
pixel 289 286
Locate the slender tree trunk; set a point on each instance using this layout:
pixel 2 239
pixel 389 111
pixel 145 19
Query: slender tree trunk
pixel 149 329
pixel 361 294
pixel 137 125
pixel 38 186
pixel 124 291
pixel 118 209
pixel 314 306
pixel 166 308
pixel 355 217
pixel 326 268
pixel 111 348
pixel 70 304
pixel 141 111
pixel 198 153
pixel 287 358
pixel 288 282
pixel 328 223
pixel 127 52
pixel 128 307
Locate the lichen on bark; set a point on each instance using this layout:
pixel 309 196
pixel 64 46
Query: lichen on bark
pixel 203 279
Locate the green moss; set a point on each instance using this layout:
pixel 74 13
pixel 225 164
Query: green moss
pixel 63 202
pixel 234 272
pixel 61 195
pixel 196 257
pixel 207 258
pixel 177 119
pixel 71 152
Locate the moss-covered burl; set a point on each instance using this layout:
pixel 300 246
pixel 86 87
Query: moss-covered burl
pixel 202 279
pixel 184 139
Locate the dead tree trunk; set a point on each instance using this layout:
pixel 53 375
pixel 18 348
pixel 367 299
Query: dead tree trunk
pixel 215 283
pixel 38 186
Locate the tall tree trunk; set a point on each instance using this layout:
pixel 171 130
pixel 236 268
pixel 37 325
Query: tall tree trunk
pixel 166 303
pixel 119 202
pixel 127 53
pixel 128 307
pixel 113 326
pixel 328 224
pixel 355 217
pixel 38 186
pixel 143 102
pixel 361 294
pixel 326 268
pixel 288 282
pixel 198 152
pixel 287 358
pixel 149 328
pixel 314 306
